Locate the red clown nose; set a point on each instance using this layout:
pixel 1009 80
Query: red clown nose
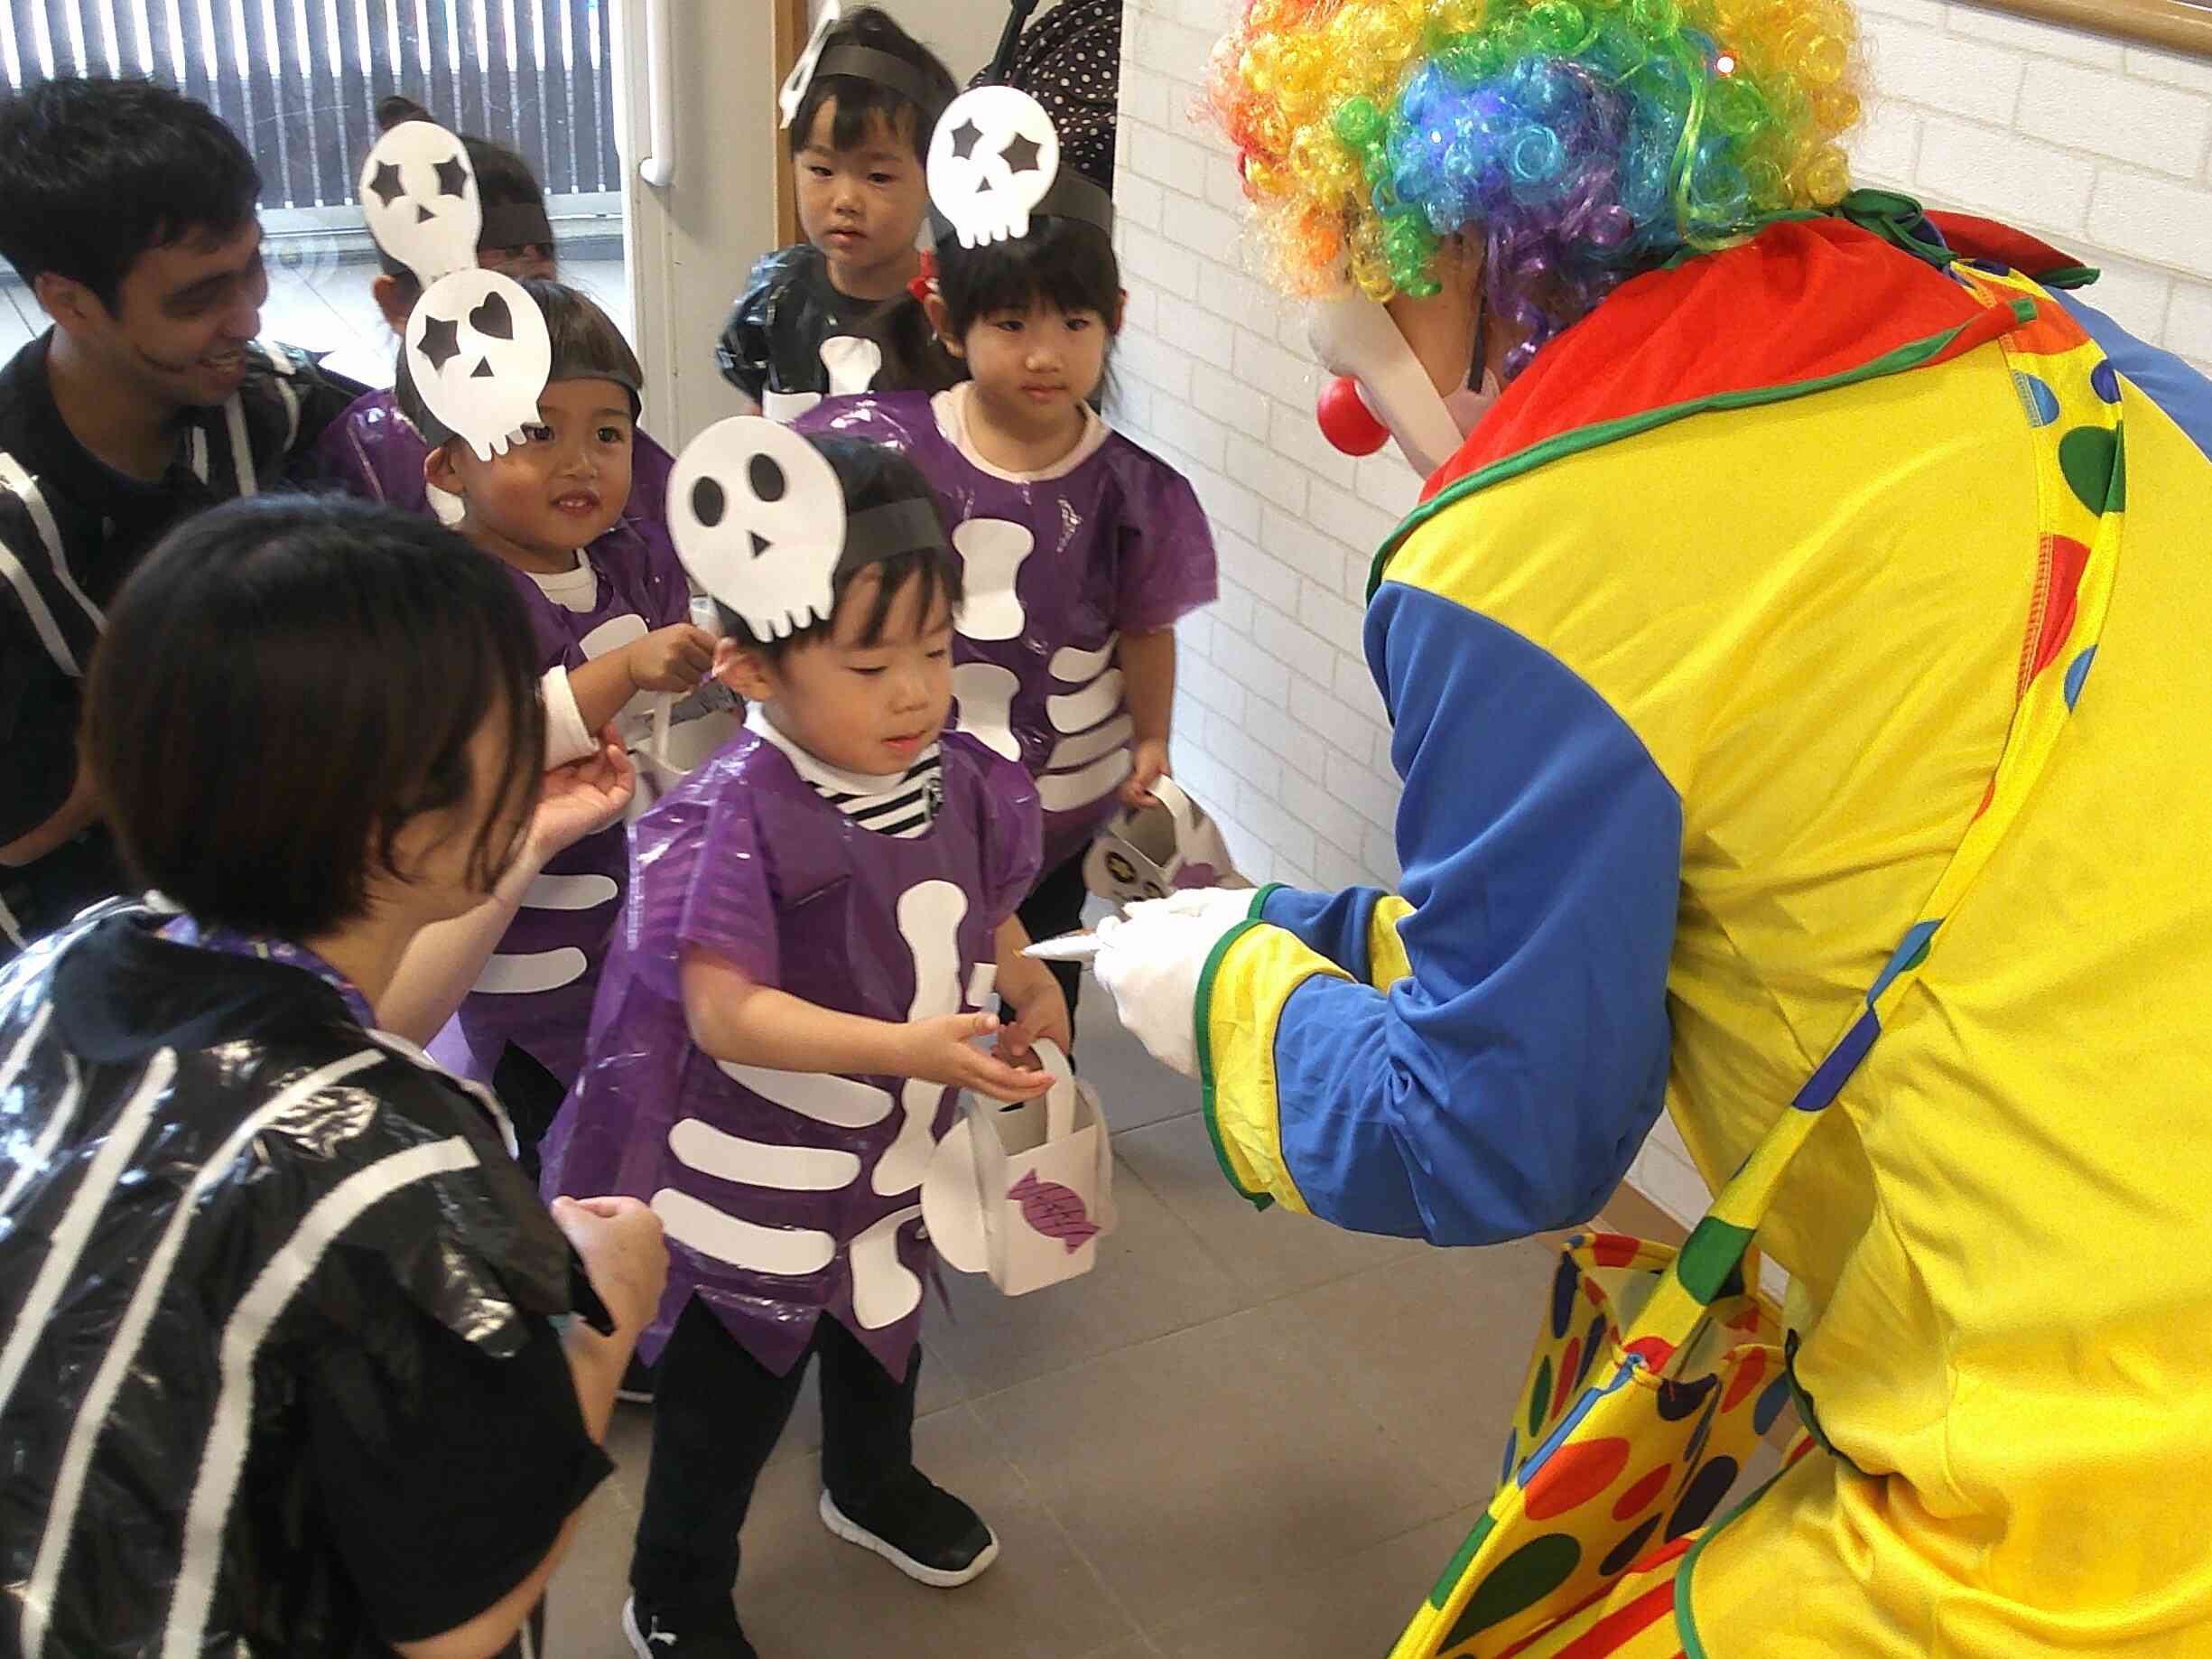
pixel 1347 421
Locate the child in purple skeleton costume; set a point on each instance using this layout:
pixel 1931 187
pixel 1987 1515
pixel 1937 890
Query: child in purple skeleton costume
pixel 815 919
pixel 1081 549
pixel 611 612
pixel 374 451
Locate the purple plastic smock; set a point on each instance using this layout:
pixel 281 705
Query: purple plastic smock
pixel 788 1196
pixel 536 990
pixel 1058 564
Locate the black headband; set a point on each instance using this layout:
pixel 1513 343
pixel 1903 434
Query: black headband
pixel 515 224
pixel 867 63
pixel 1072 197
pixel 435 432
pixel 878 533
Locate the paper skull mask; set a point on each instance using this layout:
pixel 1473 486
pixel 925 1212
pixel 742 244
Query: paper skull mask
pixel 794 90
pixel 993 156
pixel 479 355
pixel 758 516
pixel 419 195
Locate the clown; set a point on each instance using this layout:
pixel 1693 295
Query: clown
pixel 1768 525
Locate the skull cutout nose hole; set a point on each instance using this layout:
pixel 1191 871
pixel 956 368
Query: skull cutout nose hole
pixel 422 214
pixel 760 543
pixel 707 502
pixel 767 477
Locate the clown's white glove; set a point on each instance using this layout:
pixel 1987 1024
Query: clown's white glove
pixel 1150 963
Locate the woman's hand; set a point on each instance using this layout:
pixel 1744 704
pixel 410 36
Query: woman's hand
pixel 624 1255
pixel 940 1051
pixel 673 658
pixel 585 795
pixel 1148 765
pixel 1040 1010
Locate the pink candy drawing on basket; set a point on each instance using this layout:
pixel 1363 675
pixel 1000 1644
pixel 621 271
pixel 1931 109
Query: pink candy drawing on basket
pixel 1054 1210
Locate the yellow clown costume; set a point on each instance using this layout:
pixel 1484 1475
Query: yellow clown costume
pixel 1699 658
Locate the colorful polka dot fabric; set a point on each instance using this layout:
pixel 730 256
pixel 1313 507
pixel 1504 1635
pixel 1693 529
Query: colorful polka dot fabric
pixel 1657 1370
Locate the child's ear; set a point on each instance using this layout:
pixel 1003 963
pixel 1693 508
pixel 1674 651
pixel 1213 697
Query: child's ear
pixel 743 670
pixel 941 323
pixel 441 469
pixel 1121 309
pixel 392 301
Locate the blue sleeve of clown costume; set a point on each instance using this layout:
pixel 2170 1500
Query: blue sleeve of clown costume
pixel 1503 1081
pixel 2164 379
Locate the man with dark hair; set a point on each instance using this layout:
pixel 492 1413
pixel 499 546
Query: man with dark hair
pixel 129 211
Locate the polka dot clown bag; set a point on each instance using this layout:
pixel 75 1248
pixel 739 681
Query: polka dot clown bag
pixel 1656 1371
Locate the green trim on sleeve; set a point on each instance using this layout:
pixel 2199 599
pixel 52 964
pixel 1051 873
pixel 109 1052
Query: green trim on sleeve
pixel 1203 1024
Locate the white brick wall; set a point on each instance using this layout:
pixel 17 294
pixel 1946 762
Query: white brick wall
pixel 2101 147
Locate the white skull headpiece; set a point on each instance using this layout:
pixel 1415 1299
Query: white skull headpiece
pixel 802 76
pixel 758 517
pixel 479 355
pixel 419 195
pixel 993 156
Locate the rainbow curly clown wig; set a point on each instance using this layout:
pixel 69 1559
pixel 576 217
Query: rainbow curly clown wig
pixel 1581 140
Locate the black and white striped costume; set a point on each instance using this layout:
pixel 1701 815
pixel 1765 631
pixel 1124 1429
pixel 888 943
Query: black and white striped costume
pixel 71 529
pixel 230 1218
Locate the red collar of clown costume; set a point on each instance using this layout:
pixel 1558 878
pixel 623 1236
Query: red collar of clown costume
pixel 1806 302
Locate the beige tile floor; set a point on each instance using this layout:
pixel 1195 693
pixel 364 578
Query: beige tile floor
pixel 1242 1435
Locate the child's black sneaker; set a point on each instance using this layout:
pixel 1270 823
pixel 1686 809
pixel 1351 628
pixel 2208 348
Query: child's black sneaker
pixel 664 1632
pixel 918 1527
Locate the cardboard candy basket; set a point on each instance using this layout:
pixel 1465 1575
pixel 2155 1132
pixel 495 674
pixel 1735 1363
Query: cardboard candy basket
pixel 1024 1193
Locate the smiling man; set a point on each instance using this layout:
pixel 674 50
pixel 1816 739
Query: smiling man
pixel 129 211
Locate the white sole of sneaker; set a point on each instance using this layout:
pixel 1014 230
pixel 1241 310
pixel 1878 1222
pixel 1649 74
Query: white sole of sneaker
pixel 630 1631
pixel 937 1577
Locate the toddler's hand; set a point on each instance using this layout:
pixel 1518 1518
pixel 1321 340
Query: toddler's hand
pixel 673 658
pixel 939 1051
pixel 1040 1010
pixel 1148 766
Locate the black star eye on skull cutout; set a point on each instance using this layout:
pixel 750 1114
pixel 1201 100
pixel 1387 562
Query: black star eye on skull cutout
pixel 441 341
pixel 452 176
pixel 965 137
pixel 387 185
pixel 1021 153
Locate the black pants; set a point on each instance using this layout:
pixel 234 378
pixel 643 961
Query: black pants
pixel 718 1413
pixel 1054 906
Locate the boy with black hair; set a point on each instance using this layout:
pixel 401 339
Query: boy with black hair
pixel 128 210
pixel 816 919
pixel 836 312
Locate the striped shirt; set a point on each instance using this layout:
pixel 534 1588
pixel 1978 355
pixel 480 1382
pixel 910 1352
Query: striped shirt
pixel 904 805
